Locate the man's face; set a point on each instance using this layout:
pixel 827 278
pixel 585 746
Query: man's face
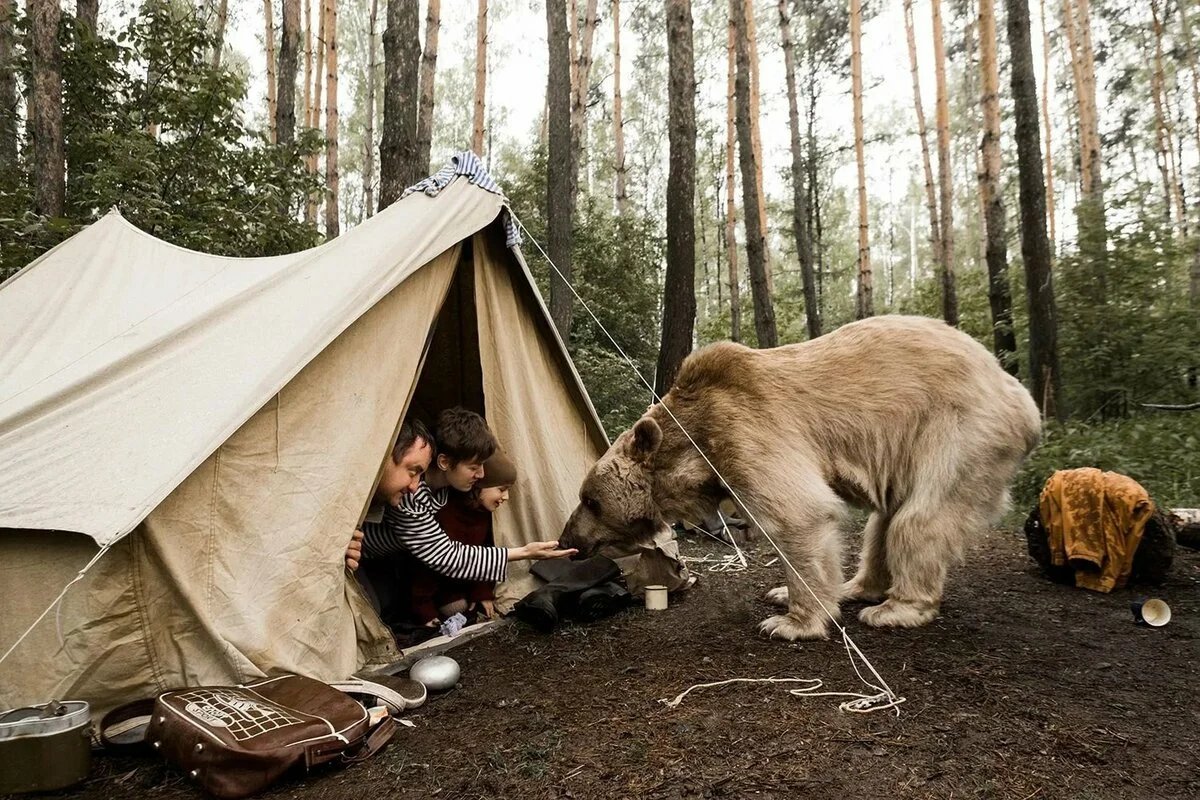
pixel 405 476
pixel 463 475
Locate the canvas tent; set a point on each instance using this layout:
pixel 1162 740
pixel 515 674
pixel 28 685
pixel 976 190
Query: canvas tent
pixel 216 425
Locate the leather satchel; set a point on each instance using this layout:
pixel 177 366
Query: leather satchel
pixel 235 741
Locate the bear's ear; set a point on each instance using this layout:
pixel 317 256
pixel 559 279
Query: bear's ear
pixel 647 436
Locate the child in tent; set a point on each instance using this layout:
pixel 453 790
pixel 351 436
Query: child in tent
pixel 466 518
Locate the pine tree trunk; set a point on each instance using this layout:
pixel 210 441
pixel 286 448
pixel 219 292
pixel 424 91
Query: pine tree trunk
pixel 314 112
pixel 679 288
pixel 368 177
pixel 269 39
pixel 1166 125
pixel 865 295
pixel 87 12
pixel 308 65
pixel 764 312
pixel 946 196
pixel 1162 148
pixel 756 138
pixel 579 90
pixel 1193 67
pixel 219 38
pixel 480 76
pixel 622 198
pixel 45 109
pixel 1045 378
pixel 560 169
pixel 399 163
pixel 433 24
pixel 1093 227
pixel 804 254
pixel 1046 85
pixel 332 215
pixel 735 295
pixel 935 238
pixel 1004 340
pixel 8 96
pixel 289 52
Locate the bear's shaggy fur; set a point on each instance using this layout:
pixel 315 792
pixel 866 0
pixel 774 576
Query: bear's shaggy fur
pixel 904 416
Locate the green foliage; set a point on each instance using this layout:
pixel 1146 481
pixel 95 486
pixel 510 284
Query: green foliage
pixel 1160 451
pixel 152 129
pixel 616 262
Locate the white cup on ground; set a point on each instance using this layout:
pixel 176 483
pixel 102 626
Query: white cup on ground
pixel 656 598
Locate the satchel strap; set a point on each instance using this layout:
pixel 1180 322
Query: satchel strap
pixel 124 728
pixel 396 702
pixel 375 741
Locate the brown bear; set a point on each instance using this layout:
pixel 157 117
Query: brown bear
pixel 904 416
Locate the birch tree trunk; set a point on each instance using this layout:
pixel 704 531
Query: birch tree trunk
pixel 45 109
pixel 764 312
pixel 369 139
pixel 1004 340
pixel 812 309
pixel 1046 85
pixel 946 196
pixel 622 198
pixel 332 215
pixel 865 295
pixel 679 288
pixel 219 39
pixel 735 298
pixel 560 169
pixel 8 96
pixel 289 52
pixel 935 239
pixel 480 76
pixel 399 163
pixel 269 39
pixel 433 23
pixel 1045 377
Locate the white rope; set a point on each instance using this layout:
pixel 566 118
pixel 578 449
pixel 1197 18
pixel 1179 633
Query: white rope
pixel 56 601
pixel 861 704
pixel 884 691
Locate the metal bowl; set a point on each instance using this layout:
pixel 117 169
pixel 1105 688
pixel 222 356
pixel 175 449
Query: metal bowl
pixel 436 673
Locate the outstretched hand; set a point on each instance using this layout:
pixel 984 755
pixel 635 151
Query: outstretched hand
pixel 354 550
pixel 539 551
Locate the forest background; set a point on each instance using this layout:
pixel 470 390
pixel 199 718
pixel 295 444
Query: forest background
pixel 723 169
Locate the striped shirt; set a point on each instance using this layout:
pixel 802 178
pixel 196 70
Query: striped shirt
pixel 411 526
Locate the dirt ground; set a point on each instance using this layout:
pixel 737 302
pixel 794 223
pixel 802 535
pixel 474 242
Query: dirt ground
pixel 1020 689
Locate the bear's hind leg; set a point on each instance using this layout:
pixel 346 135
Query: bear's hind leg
pixel 816 553
pixel 871 582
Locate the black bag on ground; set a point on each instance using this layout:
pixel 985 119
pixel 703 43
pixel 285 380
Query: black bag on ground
pixel 586 589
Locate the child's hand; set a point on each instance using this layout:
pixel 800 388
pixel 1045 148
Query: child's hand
pixel 538 551
pixel 488 608
pixel 354 550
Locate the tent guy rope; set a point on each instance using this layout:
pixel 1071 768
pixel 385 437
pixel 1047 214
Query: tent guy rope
pixel 884 698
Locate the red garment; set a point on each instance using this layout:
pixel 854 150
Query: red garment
pixel 428 590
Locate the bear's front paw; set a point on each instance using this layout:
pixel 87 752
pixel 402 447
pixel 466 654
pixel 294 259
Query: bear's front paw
pixel 786 626
pixel 778 596
pixel 898 614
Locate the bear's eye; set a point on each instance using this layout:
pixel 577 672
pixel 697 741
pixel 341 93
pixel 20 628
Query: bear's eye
pixel 592 505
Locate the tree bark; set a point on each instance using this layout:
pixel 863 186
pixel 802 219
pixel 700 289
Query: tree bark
pixel 1004 340
pixel 8 96
pixel 369 140
pixel 332 215
pixel 865 295
pixel 935 239
pixel 764 312
pixel 86 13
pixel 946 195
pixel 308 64
pixel 622 198
pixel 1045 377
pixel 314 112
pixel 1166 125
pixel 581 87
pixel 398 158
pixel 289 52
pixel 756 137
pixel 804 253
pixel 560 169
pixel 679 289
pixel 45 109
pixel 735 295
pixel 433 24
pixel 219 39
pixel 1193 68
pixel 1093 227
pixel 480 76
pixel 1046 124
pixel 269 39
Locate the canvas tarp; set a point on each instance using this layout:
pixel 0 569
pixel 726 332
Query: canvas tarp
pixel 258 397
